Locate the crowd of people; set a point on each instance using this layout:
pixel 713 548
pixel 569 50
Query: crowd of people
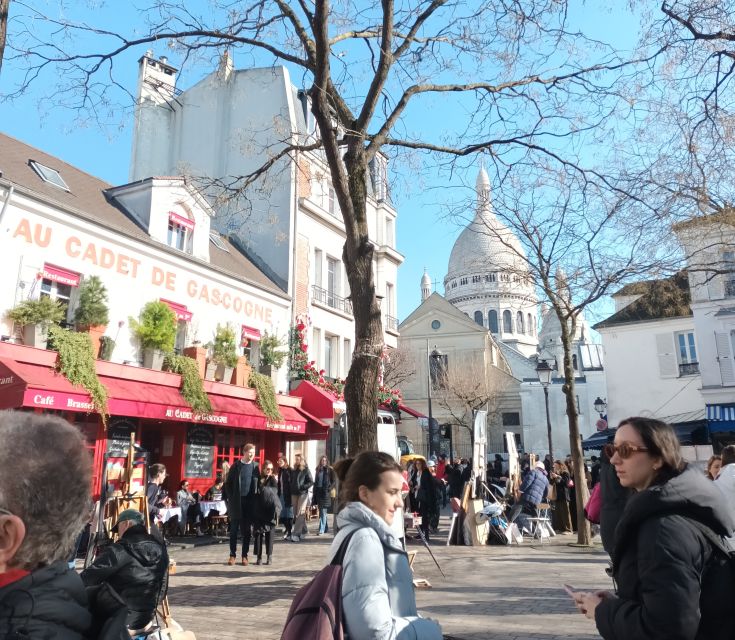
pixel 665 524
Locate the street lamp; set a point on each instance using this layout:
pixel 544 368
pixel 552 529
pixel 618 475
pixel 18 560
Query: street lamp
pixel 544 373
pixel 433 430
pixel 600 406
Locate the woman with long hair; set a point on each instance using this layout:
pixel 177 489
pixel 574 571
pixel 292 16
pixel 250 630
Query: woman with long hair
pixel 284 493
pixel 324 481
pixel 425 495
pixel 672 571
pixel 266 514
pixel 378 598
pixel 559 476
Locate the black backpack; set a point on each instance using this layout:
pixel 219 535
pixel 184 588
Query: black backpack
pixel 316 610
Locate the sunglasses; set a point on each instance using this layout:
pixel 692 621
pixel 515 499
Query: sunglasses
pixel 269 468
pixel 5 512
pixel 624 450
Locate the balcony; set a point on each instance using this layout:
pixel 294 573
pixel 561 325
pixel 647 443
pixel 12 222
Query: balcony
pixel 391 323
pixel 330 299
pixel 689 369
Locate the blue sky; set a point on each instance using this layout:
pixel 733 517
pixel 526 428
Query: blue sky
pixel 423 235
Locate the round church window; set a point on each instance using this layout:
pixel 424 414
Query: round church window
pixel 435 324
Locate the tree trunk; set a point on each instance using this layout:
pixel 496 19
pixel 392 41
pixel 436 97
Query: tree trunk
pixel 575 444
pixel 4 8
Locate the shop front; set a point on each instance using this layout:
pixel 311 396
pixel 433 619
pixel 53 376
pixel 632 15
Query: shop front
pixel 148 403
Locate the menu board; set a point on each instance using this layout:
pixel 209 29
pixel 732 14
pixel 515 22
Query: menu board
pixel 118 437
pixel 199 462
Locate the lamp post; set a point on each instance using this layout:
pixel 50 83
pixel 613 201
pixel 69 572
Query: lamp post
pixel 544 373
pixel 433 430
pixel 601 406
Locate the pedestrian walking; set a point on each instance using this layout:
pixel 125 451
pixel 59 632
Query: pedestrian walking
pixel 268 507
pixel 324 482
pixel 425 494
pixel 284 493
pixel 378 599
pixel 674 579
pixel 301 482
pixel 242 489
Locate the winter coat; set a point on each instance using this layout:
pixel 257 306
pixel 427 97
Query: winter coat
pixel 268 505
pixel 52 603
pixel 153 492
pixel 323 482
pixel 659 559
pixel 426 494
pixel 378 598
pixel 534 487
pixel 232 489
pixel 562 486
pixel 613 497
pixel 301 481
pixel 284 483
pixel 725 482
pixel 137 568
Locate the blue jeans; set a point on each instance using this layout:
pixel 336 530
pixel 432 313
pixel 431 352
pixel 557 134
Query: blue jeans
pixel 323 527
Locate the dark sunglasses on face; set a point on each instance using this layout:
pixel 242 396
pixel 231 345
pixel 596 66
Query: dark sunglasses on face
pixel 269 468
pixel 624 450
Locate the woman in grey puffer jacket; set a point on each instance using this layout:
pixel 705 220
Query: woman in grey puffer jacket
pixel 377 597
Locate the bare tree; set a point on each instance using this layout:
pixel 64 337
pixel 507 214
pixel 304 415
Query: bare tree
pixel 4 10
pixel 470 384
pixel 399 365
pixel 520 85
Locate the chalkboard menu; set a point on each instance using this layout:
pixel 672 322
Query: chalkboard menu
pixel 118 437
pixel 199 461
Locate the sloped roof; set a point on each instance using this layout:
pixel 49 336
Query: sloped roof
pixel 665 298
pixel 87 198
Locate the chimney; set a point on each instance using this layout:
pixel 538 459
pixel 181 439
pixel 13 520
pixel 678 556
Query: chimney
pixel 156 79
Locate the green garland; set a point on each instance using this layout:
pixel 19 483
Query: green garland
pixel 265 396
pixel 76 364
pixel 192 388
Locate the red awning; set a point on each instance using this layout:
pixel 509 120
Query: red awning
pixel 315 400
pixel 249 333
pixel 181 220
pixel 182 313
pixel 410 411
pixel 57 274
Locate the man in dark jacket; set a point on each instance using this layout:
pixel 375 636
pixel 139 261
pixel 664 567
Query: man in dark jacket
pixel 241 488
pixel 301 482
pixel 40 597
pixel 136 567
pixel 533 489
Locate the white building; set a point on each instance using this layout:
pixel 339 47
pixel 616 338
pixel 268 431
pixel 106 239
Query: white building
pixel 709 243
pixel 287 221
pixel 488 280
pixel 652 356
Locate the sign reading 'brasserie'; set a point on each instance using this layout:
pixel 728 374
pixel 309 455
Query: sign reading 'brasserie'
pixel 199 452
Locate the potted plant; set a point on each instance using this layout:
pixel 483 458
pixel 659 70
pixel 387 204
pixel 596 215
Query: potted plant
pixel 156 331
pixel 271 355
pixel 34 318
pixel 92 314
pixel 223 354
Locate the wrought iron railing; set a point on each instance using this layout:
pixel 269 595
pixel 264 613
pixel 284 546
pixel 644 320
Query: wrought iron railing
pixel 391 323
pixel 331 299
pixel 689 369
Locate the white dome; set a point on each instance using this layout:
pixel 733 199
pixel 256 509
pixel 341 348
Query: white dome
pixel 486 244
pixel 425 280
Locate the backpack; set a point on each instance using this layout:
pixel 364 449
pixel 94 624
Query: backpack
pixel 316 610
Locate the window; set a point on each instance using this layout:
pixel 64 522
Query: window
pixel 333 209
pixel 728 266
pixel 47 174
pixel 347 357
pixel 463 281
pixel 504 277
pixel 454 284
pixel 330 354
pixel 492 320
pixel 479 318
pixel 438 364
pixel 179 237
pixel 389 302
pixel 216 240
pixel 512 419
pixel 476 279
pixel 316 343
pixel 332 280
pixel 318 267
pixel 59 292
pixel 529 325
pixel 181 341
pixel 507 322
pixel 491 277
pixel 390 238
pixel 686 353
pixel 519 322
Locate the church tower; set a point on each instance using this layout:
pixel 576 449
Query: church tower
pixel 425 285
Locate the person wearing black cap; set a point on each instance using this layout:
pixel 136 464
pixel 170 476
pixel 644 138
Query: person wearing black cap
pixel 136 567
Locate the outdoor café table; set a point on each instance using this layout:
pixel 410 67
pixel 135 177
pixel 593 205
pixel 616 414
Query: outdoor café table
pixel 164 515
pixel 213 505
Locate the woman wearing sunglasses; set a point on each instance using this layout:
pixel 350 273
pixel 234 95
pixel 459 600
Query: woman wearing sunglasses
pixel 673 577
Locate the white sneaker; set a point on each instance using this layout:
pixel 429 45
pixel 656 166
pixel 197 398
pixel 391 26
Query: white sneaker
pixel 295 539
pixel 287 536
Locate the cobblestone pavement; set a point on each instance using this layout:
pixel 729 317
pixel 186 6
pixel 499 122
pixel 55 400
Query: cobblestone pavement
pixel 490 593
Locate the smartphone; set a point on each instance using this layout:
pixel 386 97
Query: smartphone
pixel 569 590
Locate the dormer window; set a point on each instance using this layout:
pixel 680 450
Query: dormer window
pixel 180 232
pixel 47 174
